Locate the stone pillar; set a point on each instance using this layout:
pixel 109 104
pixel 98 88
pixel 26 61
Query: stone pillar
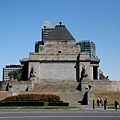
pixel 32 81
pixel 90 97
pixel 91 73
pixel 98 73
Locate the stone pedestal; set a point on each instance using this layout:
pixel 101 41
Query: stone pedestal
pixel 11 93
pixel 33 81
pixel 90 97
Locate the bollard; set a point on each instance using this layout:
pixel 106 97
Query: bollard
pixel 93 104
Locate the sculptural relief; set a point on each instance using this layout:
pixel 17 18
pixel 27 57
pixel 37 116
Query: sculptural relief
pixel 32 72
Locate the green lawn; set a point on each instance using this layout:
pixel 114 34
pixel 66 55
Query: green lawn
pixel 40 107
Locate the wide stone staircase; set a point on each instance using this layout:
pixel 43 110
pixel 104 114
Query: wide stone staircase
pixel 66 90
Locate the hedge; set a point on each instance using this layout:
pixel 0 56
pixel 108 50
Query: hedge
pixel 33 100
pixel 21 103
pixel 32 103
pixel 58 104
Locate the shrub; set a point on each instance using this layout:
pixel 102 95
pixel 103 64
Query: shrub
pixel 58 104
pixel 33 97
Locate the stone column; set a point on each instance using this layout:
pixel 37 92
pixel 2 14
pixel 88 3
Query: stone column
pixel 98 73
pixel 90 97
pixel 91 73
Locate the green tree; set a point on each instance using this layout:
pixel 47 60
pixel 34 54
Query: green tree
pixel 15 74
pixel 102 76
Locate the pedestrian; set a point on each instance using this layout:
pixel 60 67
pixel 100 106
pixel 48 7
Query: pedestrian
pixel 98 102
pixel 105 103
pixel 116 105
pixel 101 101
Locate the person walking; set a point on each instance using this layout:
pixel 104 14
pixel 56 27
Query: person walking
pixel 116 105
pixel 105 103
pixel 101 102
pixel 98 102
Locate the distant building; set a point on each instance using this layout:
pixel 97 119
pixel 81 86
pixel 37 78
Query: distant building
pixel 88 46
pixel 37 45
pixel 47 28
pixel 8 69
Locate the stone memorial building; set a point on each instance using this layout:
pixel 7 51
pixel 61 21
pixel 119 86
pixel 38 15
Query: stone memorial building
pixel 57 58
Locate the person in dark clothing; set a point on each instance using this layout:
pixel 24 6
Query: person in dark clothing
pixel 98 102
pixel 116 105
pixel 105 103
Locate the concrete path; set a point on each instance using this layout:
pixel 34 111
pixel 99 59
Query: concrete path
pixel 89 107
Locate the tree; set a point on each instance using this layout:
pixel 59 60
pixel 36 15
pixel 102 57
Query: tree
pixel 15 74
pixel 102 76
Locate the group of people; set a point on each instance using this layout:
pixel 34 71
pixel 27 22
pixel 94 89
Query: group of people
pixel 101 102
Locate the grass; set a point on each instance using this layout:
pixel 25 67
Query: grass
pixel 40 107
pixel 112 96
pixel 112 107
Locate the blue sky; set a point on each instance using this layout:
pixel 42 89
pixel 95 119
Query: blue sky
pixel 95 20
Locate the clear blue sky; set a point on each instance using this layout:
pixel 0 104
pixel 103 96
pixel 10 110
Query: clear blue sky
pixel 97 20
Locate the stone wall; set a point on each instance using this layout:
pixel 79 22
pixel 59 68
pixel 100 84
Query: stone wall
pixel 58 71
pixel 16 85
pixel 97 85
pixel 102 85
pixel 66 96
pixel 66 90
pixel 3 95
pixel 56 50
pixel 54 71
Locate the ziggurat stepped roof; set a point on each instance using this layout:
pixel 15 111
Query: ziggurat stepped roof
pixel 60 33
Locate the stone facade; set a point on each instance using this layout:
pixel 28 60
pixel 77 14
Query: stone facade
pixel 57 59
pixel 102 85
